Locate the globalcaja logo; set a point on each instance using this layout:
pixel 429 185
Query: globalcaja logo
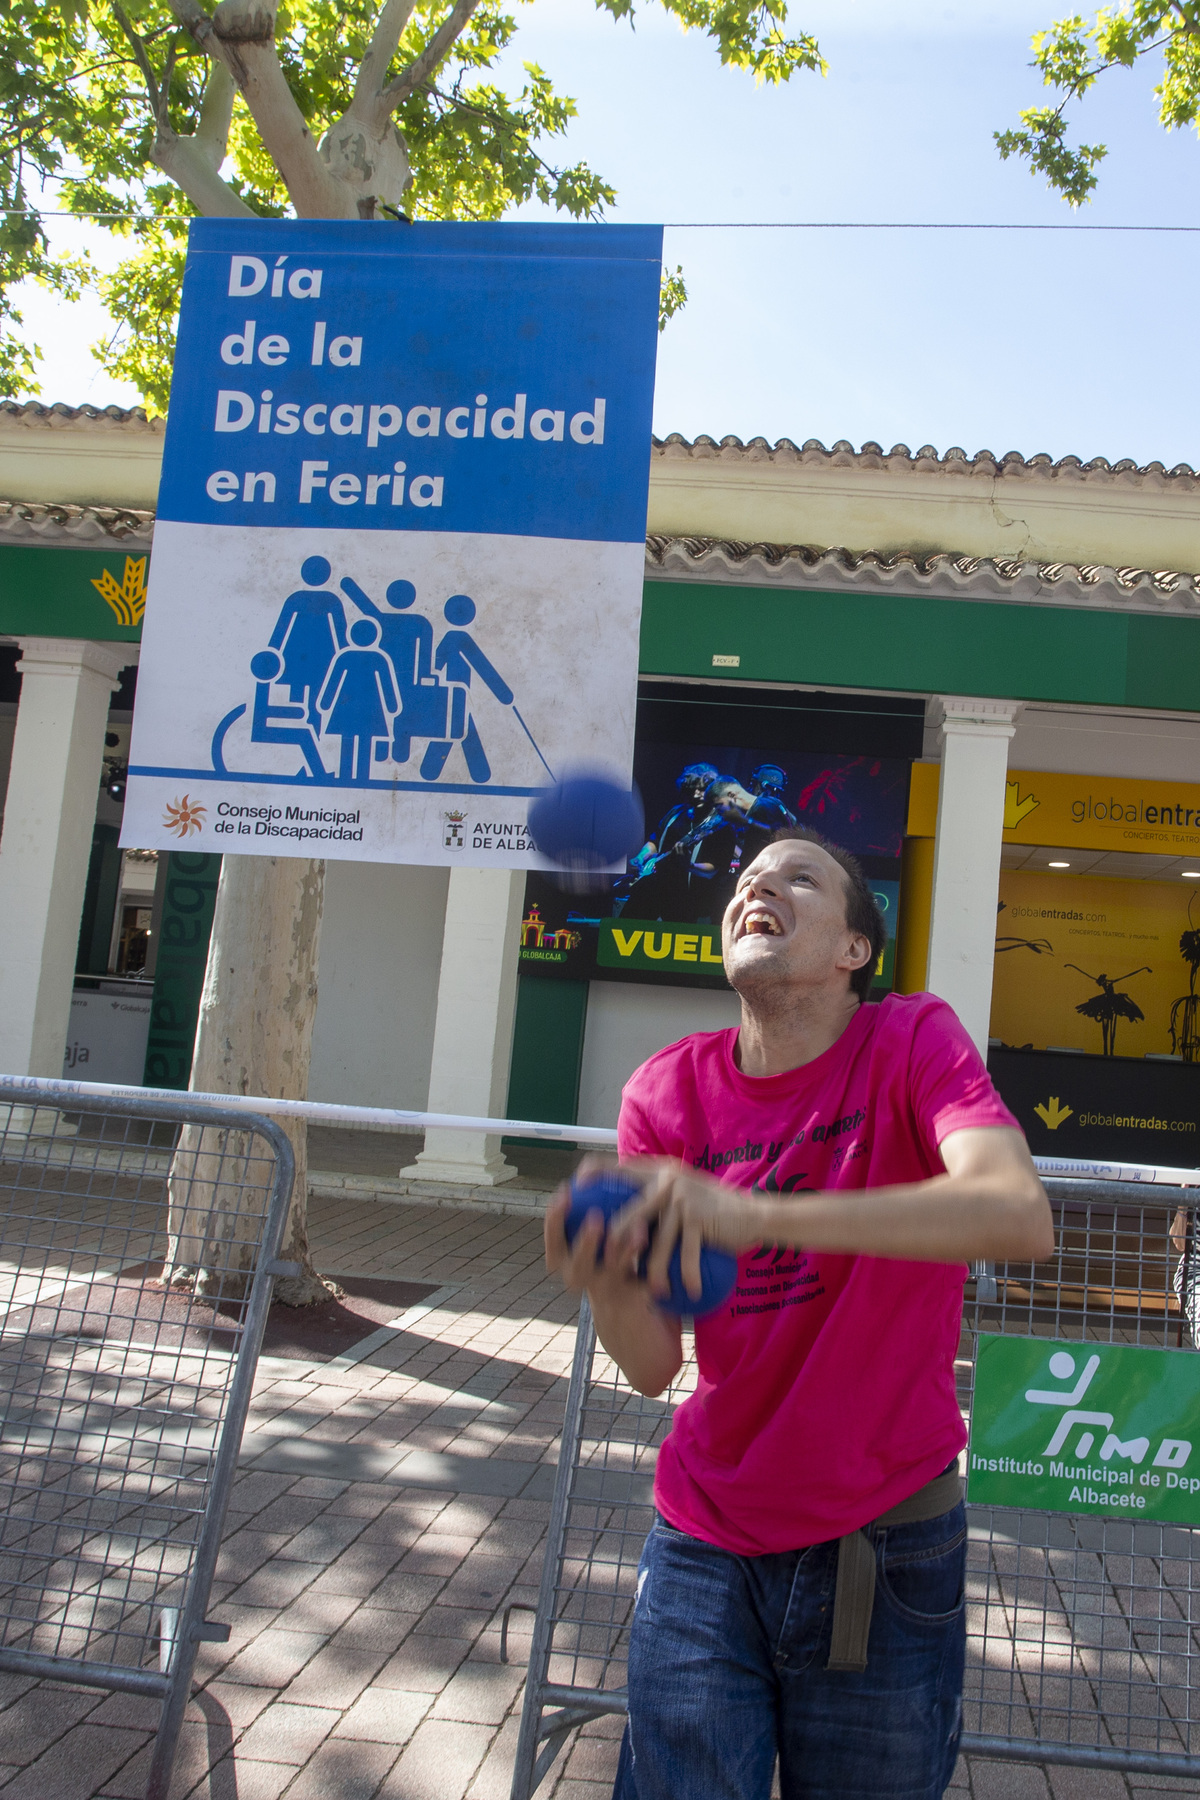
pixel 127 599
pixel 1098 1429
pixel 184 817
pixel 455 822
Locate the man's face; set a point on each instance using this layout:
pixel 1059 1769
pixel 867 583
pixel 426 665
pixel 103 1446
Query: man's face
pixel 787 923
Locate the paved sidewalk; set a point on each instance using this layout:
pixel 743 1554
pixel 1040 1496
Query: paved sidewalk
pixel 387 1510
pixel 366 1165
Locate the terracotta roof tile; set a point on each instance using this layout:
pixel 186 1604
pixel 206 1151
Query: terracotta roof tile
pixel 29 522
pixel 942 574
pixel 926 460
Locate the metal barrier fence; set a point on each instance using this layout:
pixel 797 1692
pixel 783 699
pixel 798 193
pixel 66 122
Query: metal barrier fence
pixel 1083 1634
pixel 123 1396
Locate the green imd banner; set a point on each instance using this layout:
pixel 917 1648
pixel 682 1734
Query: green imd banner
pixel 1108 1430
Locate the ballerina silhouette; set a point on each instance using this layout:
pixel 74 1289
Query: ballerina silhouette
pixel 1185 1013
pixel 1108 1006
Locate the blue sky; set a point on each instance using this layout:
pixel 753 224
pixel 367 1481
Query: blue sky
pixel 1031 341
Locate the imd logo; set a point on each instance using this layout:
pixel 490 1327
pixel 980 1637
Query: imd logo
pixel 1085 1428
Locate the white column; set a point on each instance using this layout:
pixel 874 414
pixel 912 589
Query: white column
pixel 966 865
pixel 49 813
pixel 472 1035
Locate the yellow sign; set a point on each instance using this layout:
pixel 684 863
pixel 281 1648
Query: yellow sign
pixel 1080 812
pixel 128 600
pixel 1089 962
pixel 1053 1115
pixel 1017 806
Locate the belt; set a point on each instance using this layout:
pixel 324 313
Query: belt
pixel 854 1592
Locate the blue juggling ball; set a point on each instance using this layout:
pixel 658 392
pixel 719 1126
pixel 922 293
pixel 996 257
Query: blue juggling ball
pixel 607 1192
pixel 587 821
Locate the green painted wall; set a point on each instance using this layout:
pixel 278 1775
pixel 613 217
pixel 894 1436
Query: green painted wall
pixel 99 902
pixel 922 645
pixel 48 592
pixel 189 900
pixel 547 1052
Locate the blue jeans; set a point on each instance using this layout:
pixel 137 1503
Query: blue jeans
pixel 727 1671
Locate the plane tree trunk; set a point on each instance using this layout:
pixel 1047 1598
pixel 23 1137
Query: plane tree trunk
pixel 254 1037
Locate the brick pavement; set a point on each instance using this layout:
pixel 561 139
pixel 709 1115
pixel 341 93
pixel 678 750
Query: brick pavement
pixel 363 1662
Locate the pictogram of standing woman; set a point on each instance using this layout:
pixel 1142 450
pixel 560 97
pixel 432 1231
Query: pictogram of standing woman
pixel 360 698
pixel 310 630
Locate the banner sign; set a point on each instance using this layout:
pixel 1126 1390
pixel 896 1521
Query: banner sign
pixel 1079 812
pixel 1107 1430
pixel 1102 1108
pixel 397 570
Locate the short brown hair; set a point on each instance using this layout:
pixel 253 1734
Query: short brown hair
pixel 862 909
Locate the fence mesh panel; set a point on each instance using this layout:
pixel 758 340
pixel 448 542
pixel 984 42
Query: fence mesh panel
pixel 1083 1635
pixel 129 1243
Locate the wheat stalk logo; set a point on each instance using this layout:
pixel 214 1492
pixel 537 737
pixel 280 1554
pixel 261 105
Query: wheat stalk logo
pixel 128 600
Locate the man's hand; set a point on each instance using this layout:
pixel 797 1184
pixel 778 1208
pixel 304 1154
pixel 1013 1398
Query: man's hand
pixel 642 1340
pixel 605 1278
pixel 680 1206
pixel 1179 1229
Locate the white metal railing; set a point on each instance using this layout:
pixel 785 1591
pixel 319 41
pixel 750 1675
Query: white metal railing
pixel 317 1112
pixel 1079 1168
pixel 385 1118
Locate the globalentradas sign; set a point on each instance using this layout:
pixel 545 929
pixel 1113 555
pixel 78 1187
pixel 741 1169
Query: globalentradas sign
pixel 1081 812
pixel 1108 1430
pixel 397 571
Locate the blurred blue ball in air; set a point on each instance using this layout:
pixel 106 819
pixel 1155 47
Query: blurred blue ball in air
pixel 606 1192
pixel 586 823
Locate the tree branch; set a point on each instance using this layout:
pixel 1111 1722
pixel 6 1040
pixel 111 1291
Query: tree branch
pixel 423 66
pixel 389 29
pixel 189 163
pixel 241 34
pixel 216 113
pixel 192 16
pixel 143 61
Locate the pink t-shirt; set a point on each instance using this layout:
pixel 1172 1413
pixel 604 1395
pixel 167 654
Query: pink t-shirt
pixel 826 1383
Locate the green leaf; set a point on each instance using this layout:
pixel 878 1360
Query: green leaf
pixel 1073 54
pixel 75 112
pixel 672 295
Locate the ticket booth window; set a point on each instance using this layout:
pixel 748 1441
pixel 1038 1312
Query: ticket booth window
pixel 134 941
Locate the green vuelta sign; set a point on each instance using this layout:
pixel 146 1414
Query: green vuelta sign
pixel 1107 1430
pixel 656 947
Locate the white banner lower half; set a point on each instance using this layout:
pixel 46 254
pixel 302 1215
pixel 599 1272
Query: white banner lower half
pixel 372 695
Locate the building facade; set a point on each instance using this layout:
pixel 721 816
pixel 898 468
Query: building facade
pixel 982 674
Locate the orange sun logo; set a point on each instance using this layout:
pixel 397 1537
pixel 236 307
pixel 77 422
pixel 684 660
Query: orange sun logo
pixel 184 817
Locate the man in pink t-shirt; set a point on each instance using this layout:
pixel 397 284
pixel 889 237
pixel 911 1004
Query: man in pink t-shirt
pixel 801 1593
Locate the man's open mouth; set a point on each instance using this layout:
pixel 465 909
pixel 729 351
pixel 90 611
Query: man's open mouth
pixel 758 922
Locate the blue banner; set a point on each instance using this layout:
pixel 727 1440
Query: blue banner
pixel 396 582
pixel 481 378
